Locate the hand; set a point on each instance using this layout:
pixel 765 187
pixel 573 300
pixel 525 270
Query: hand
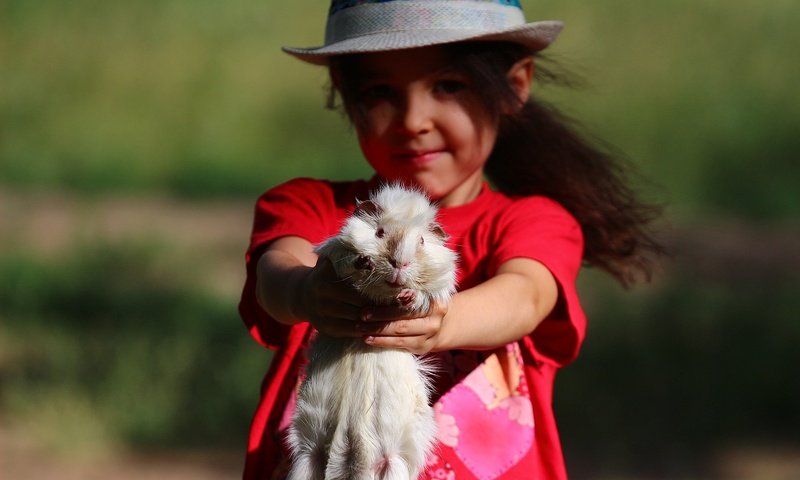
pixel 394 327
pixel 330 304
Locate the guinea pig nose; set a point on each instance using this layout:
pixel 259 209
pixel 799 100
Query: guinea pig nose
pixel 394 263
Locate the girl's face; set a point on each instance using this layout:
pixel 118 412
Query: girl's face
pixel 423 124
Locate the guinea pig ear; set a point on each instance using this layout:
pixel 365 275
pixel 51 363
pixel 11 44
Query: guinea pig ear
pixel 438 231
pixel 366 208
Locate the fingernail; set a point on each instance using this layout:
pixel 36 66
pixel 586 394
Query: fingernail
pixel 369 339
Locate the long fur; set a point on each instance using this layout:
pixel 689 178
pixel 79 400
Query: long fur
pixel 363 413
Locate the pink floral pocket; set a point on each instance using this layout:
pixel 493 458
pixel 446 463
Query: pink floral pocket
pixel 487 419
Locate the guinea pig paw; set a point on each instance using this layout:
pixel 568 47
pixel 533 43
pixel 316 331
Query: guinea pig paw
pixel 364 262
pixel 406 297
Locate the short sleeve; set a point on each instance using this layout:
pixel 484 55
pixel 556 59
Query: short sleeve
pixel 300 207
pixel 541 229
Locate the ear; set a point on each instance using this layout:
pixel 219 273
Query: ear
pixel 438 231
pixel 366 208
pixel 520 77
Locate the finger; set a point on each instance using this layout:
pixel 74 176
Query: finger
pixel 336 327
pixel 325 304
pixel 387 313
pixel 333 287
pixel 416 345
pixel 342 312
pixel 341 301
pixel 345 292
pixel 399 328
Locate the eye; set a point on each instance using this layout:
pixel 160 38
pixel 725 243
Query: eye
pixel 450 87
pixel 422 240
pixel 380 232
pixel 376 92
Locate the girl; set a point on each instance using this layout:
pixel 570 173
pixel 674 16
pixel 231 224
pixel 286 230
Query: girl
pixel 438 93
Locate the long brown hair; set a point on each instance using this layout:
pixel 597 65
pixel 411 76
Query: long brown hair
pixel 540 151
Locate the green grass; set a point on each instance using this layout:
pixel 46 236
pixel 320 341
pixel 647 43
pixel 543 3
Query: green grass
pixel 119 344
pixel 115 346
pixel 183 96
pixel 104 344
pixel 195 98
pixel 674 373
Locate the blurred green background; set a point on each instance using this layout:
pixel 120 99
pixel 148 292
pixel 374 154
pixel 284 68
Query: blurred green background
pixel 135 136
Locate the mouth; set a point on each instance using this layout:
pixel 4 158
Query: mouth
pixel 418 157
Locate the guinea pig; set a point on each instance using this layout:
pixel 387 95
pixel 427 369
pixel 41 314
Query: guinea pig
pixel 364 412
pixel 392 248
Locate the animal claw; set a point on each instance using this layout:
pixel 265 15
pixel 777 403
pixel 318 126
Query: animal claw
pixel 364 262
pixel 406 296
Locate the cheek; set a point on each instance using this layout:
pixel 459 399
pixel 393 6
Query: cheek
pixel 471 132
pixel 488 140
pixel 483 143
pixel 374 151
pixel 377 120
pixel 371 133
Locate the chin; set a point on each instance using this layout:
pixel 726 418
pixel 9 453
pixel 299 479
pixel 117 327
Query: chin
pixel 433 190
pixel 433 187
pixel 434 193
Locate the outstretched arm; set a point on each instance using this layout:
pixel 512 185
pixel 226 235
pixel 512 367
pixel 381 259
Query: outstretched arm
pixel 293 286
pixel 503 309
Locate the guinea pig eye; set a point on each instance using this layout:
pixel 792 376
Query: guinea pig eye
pixel 380 233
pixel 422 240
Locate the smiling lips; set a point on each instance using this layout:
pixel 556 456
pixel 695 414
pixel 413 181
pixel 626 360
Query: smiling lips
pixel 418 157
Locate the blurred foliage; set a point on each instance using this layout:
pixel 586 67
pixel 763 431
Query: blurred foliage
pixel 191 97
pixel 143 358
pixel 683 369
pixel 194 97
pixel 120 345
pixel 103 349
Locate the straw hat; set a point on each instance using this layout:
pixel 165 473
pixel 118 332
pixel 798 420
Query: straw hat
pixel 359 26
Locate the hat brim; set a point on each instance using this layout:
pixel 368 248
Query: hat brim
pixel 536 36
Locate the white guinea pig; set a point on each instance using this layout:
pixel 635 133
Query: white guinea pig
pixel 392 246
pixel 363 412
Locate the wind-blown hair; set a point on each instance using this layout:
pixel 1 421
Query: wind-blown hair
pixel 540 151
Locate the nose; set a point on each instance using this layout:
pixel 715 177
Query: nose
pixel 415 114
pixel 394 263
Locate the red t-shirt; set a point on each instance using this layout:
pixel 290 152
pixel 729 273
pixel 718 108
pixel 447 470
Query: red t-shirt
pixel 486 232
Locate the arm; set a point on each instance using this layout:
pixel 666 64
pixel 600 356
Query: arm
pixel 503 309
pixel 294 287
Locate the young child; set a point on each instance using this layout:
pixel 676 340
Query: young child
pixel 438 93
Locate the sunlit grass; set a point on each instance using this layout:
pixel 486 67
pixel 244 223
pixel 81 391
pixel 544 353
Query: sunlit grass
pixel 113 345
pixel 673 373
pixel 105 340
pixel 104 349
pixel 195 98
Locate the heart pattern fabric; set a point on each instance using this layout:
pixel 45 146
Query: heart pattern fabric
pixel 487 419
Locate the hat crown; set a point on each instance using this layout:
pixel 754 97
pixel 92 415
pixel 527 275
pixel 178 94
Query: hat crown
pixel 348 19
pixel 368 26
pixel 337 5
